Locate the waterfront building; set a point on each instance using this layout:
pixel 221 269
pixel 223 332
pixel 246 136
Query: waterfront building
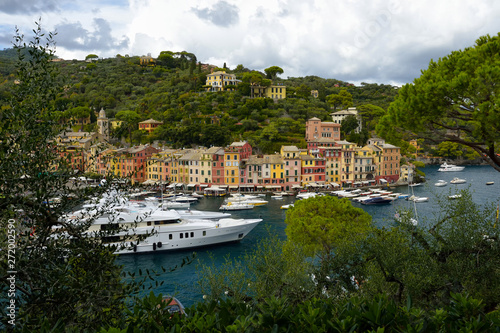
pixel 218 156
pixel 131 162
pixel 253 172
pixel 273 172
pixel 333 166
pixel 292 167
pixel 364 166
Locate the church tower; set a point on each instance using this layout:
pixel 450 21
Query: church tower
pixel 103 125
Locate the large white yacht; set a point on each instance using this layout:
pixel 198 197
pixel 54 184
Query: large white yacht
pixel 138 228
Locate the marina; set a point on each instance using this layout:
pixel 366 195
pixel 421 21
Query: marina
pixel 182 282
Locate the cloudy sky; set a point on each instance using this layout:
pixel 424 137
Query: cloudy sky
pixel 377 41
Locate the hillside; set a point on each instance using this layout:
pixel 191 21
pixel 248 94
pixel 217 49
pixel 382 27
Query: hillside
pixel 172 91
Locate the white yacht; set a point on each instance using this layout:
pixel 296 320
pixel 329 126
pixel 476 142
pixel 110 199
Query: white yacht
pixel 441 183
pixel 450 167
pixel 457 180
pixel 163 229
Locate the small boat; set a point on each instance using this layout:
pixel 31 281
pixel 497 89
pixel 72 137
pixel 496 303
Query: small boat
pixel 286 206
pixel 490 183
pixel 415 184
pixel 441 183
pixel 418 199
pixel 457 180
pixel 277 197
pixel 455 196
pixel 402 218
pixel 450 167
pixel 377 201
pixel 174 306
pixel 236 206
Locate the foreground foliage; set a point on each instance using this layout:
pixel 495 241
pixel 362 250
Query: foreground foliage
pixel 380 314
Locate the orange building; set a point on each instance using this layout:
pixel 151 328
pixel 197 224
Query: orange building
pixel 149 125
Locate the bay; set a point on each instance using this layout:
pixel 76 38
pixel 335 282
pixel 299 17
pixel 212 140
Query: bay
pixel 183 281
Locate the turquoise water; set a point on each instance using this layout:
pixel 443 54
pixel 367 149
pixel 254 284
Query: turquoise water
pixel 182 282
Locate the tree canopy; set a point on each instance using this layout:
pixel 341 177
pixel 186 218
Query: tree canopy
pixel 456 99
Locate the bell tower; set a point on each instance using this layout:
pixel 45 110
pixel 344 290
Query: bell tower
pixel 103 125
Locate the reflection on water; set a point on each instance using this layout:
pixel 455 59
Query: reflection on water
pixel 183 280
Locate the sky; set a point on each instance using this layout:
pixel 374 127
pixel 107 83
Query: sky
pixel 377 41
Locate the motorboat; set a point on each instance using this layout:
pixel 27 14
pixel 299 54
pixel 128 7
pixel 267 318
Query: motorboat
pixel 450 167
pixel 377 201
pixel 287 206
pixel 236 206
pixel 415 184
pixel 247 199
pixel 173 305
pixel 454 196
pixel 150 229
pixel 277 197
pixel 306 195
pixel 457 180
pixel 418 199
pixel 441 183
pixel 490 183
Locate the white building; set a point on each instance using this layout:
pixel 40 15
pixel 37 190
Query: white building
pixel 339 116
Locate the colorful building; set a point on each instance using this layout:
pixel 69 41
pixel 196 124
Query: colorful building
pixel 149 125
pixel 220 81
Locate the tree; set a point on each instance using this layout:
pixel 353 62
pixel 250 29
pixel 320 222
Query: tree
pixel 322 223
pixel 272 72
pixel 91 56
pixel 59 284
pixel 455 99
pixel 349 124
pixel 342 99
pixel 370 114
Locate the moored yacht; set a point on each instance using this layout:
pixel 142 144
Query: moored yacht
pixel 450 167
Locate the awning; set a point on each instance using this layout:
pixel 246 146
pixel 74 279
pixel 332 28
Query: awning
pixel 269 186
pixel 203 185
pixel 296 186
pixel 247 185
pixel 382 180
pixel 191 185
pixel 260 186
pixel 334 184
pixel 312 184
pixel 233 187
pixel 223 186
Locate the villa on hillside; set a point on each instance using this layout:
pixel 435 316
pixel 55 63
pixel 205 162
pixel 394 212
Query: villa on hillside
pixel 220 81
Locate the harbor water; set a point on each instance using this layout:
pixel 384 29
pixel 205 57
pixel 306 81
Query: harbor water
pixel 183 281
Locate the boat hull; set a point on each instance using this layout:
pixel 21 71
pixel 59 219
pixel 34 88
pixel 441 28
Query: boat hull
pixel 168 238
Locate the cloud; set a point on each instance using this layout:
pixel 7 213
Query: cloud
pixel 28 6
pixel 221 14
pixel 73 36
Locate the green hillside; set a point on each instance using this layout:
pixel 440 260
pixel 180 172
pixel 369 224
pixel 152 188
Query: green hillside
pixel 172 91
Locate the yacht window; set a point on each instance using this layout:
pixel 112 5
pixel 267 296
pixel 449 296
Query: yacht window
pixel 204 233
pixel 169 236
pixel 182 235
pixel 192 234
pixel 187 234
pixel 149 223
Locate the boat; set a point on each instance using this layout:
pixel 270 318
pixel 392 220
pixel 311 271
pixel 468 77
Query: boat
pixel 403 218
pixel 247 199
pixel 277 197
pixel 490 183
pixel 450 167
pixel 418 199
pixel 455 196
pixel 282 193
pixel 287 206
pixel 415 184
pixel 441 183
pixel 174 306
pixel 377 201
pixel 236 206
pixel 149 229
pixel 457 180
pixel 306 195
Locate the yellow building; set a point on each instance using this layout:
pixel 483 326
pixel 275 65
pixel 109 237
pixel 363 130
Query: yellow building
pixel 276 92
pixel 220 81
pixel 232 167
